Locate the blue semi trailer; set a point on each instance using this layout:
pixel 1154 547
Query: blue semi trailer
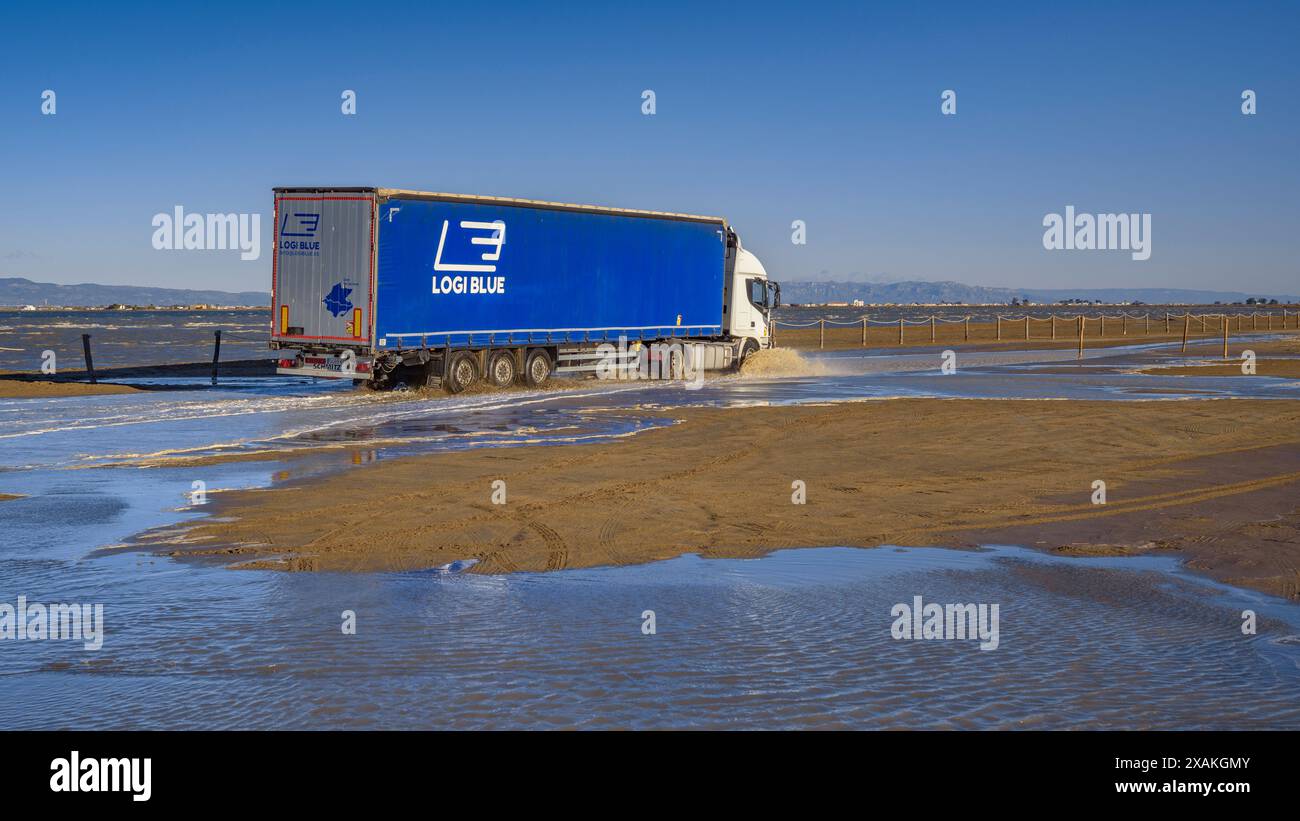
pixel 395 287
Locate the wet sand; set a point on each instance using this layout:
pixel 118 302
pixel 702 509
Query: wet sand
pixel 1274 357
pixel 23 389
pixel 1212 481
pixel 1283 368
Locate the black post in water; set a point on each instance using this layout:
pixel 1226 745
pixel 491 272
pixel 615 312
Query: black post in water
pixel 216 355
pixel 90 363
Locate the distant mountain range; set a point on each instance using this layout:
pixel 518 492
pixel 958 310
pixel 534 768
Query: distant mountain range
pixel 928 293
pixel 19 291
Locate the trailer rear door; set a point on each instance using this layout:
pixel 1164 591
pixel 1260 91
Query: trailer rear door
pixel 323 267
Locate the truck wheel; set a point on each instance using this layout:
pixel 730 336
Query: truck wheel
pixel 501 369
pixel 676 365
pixel 748 349
pixel 537 369
pixel 462 372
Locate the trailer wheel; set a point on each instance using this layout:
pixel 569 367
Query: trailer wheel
pixel 537 368
pixel 462 372
pixel 501 369
pixel 676 365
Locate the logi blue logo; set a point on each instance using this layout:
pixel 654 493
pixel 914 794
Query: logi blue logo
pixel 304 225
pixel 337 299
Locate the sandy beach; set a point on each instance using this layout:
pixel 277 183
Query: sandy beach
pixel 1211 481
pixel 38 389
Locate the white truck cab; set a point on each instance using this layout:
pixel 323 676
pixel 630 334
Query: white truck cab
pixel 750 299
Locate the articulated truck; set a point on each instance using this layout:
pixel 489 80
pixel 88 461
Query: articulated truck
pixel 392 287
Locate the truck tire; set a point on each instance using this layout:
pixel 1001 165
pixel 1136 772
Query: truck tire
pixel 501 369
pixel 748 349
pixel 675 366
pixel 462 372
pixel 537 368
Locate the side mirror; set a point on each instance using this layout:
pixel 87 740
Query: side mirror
pixel 776 295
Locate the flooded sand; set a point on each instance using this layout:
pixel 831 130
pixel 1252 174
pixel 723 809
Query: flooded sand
pixel 905 471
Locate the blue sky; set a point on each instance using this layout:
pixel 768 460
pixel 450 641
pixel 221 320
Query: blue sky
pixel 765 114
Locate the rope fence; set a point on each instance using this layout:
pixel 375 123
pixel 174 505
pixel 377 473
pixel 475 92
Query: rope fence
pixel 1021 327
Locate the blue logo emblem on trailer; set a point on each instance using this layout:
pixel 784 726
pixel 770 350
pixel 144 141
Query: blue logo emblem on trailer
pixel 337 299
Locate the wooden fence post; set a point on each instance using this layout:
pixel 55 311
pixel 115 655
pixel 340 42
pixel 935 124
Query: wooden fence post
pixel 999 318
pixel 1225 337
pixel 1026 326
pixel 966 323
pixel 90 363
pixel 932 329
pixel 1053 320
pixel 1187 326
pixel 1081 336
pixel 900 330
pixel 821 328
pixel 216 356
pixel 864 330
